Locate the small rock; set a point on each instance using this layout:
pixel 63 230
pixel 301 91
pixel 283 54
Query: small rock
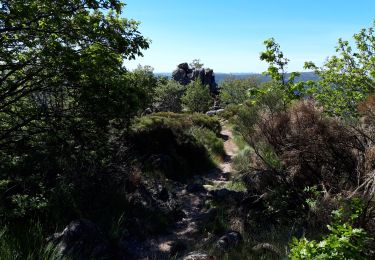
pixel 227 242
pixel 214 112
pixel 198 256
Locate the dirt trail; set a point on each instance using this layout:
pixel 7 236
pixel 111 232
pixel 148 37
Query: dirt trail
pixel 186 231
pixel 231 149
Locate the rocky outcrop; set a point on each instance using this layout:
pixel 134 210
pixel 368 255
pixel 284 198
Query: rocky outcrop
pixel 184 75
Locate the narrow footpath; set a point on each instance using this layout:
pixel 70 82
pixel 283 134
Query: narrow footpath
pixel 186 232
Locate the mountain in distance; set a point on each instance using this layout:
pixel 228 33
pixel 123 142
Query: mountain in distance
pixel 219 77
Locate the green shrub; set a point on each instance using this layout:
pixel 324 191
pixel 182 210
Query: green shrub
pixel 177 145
pixel 197 97
pixel 220 223
pixel 168 96
pixel 29 243
pixel 230 112
pixel 206 137
pixel 343 242
pixel 242 161
pixel 235 91
pixel 177 121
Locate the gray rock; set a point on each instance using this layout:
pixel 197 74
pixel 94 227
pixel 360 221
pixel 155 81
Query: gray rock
pixel 81 239
pixel 183 66
pixel 211 112
pixel 184 75
pixel 198 256
pixel 228 241
pixel 214 112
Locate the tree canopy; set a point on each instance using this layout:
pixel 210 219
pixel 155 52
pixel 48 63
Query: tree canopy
pixel 57 56
pixel 348 77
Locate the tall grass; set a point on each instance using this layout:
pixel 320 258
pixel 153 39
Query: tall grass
pixel 210 141
pixel 28 245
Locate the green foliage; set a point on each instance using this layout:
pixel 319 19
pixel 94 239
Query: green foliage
pixel 277 70
pixel 220 223
pixel 242 161
pixel 348 78
pixel 210 140
pixel 343 242
pixel 230 113
pixel 184 144
pixel 66 100
pixel 28 244
pixel 236 185
pixel 196 64
pixel 236 91
pixel 177 121
pixel 197 97
pixel 168 96
pixel 60 57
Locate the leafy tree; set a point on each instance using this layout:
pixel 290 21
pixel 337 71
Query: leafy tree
pixel 236 91
pixel 348 77
pixel 168 96
pixel 64 93
pixel 277 71
pixel 52 52
pixel 196 64
pixel 197 97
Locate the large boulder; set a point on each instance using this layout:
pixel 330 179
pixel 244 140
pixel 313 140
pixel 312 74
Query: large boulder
pixel 184 75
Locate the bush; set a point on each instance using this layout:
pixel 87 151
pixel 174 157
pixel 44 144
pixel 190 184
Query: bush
pixel 242 161
pixel 177 121
pixel 177 145
pixel 236 91
pixel 168 96
pixel 197 97
pixel 230 112
pixel 28 243
pixel 291 150
pixel 208 139
pixel 343 242
pixel 304 146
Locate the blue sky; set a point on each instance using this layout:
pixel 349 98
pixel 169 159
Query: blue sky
pixel 228 35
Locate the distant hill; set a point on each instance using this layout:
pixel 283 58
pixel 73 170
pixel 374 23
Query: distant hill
pixel 219 77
